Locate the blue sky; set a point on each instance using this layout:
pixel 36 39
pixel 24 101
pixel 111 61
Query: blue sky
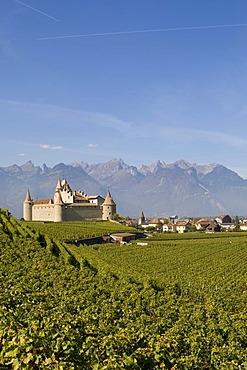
pixel 78 83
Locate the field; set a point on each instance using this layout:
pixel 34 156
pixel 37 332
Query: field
pixel 178 302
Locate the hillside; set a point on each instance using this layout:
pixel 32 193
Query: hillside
pixel 101 308
pixel 159 190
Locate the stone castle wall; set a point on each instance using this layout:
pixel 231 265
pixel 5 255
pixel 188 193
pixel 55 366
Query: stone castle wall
pixel 78 213
pixel 108 212
pixel 70 213
pixel 43 213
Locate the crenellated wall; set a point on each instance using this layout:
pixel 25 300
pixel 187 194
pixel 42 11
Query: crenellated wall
pixel 67 196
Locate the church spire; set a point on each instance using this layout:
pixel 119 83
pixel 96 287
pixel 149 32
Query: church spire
pixel 141 219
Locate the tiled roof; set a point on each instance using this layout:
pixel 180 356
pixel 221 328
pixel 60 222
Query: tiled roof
pixel 80 198
pixel 43 201
pixel 155 221
pixel 108 200
pixel 202 221
pixel 181 223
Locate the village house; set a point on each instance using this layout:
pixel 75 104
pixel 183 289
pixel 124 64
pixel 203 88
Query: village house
pixel 243 225
pixel 182 226
pixel 227 227
pixel 155 223
pixel 207 225
pixel 225 222
pixel 179 226
pixel 170 227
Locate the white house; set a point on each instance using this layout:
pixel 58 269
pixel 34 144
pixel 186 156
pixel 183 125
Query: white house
pixel 182 226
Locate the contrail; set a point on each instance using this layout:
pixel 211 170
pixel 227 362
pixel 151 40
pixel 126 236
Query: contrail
pixel 38 11
pixel 143 31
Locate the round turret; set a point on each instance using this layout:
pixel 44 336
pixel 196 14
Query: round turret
pixel 108 207
pixel 27 207
pixel 58 207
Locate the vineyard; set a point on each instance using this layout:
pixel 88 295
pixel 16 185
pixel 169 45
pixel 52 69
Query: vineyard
pixel 210 264
pixel 78 230
pixel 171 304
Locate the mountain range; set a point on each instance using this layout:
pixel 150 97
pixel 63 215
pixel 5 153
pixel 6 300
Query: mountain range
pixel 159 190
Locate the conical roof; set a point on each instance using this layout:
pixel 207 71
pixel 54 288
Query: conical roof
pixel 108 200
pixel 28 197
pixel 58 198
pixel 59 186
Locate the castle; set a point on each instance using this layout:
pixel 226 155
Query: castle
pixel 68 205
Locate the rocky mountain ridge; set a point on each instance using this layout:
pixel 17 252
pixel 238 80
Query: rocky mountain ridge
pixel 159 189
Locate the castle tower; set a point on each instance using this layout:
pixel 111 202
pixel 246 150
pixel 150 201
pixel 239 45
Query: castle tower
pixel 108 207
pixel 27 207
pixel 58 207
